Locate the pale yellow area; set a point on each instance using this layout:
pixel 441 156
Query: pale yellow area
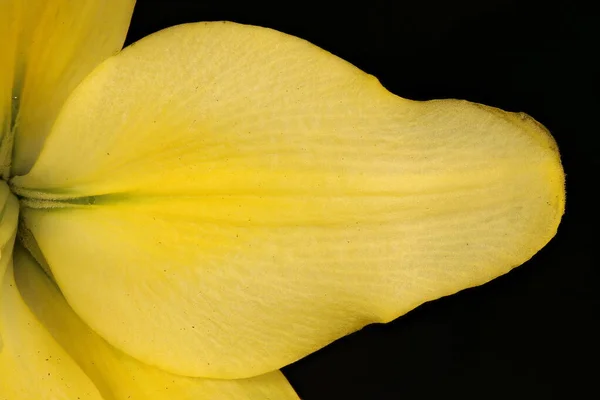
pixel 48 47
pixel 221 200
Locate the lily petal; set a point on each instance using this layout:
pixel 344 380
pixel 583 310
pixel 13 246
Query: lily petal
pixel 48 47
pixel 118 376
pixel 32 364
pixel 244 198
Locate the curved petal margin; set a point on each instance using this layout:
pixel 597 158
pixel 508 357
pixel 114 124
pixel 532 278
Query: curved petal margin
pixel 244 198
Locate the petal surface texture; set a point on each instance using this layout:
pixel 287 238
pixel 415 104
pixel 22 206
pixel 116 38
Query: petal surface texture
pixel 32 364
pixel 118 376
pixel 48 47
pixel 239 198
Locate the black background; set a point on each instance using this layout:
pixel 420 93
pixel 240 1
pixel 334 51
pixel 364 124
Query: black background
pixel 532 333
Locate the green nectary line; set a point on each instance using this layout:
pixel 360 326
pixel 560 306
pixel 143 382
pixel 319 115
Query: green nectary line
pixel 44 200
pixel 63 203
pixel 40 194
pixel 47 199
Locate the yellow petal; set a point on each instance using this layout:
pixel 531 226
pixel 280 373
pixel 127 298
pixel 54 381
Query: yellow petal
pixel 244 198
pixel 118 376
pixel 48 47
pixel 32 364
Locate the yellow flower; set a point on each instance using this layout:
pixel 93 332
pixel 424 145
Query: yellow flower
pixel 220 200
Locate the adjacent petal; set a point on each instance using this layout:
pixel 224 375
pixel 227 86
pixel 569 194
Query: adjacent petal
pixel 32 364
pixel 244 198
pixel 117 375
pixel 48 47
